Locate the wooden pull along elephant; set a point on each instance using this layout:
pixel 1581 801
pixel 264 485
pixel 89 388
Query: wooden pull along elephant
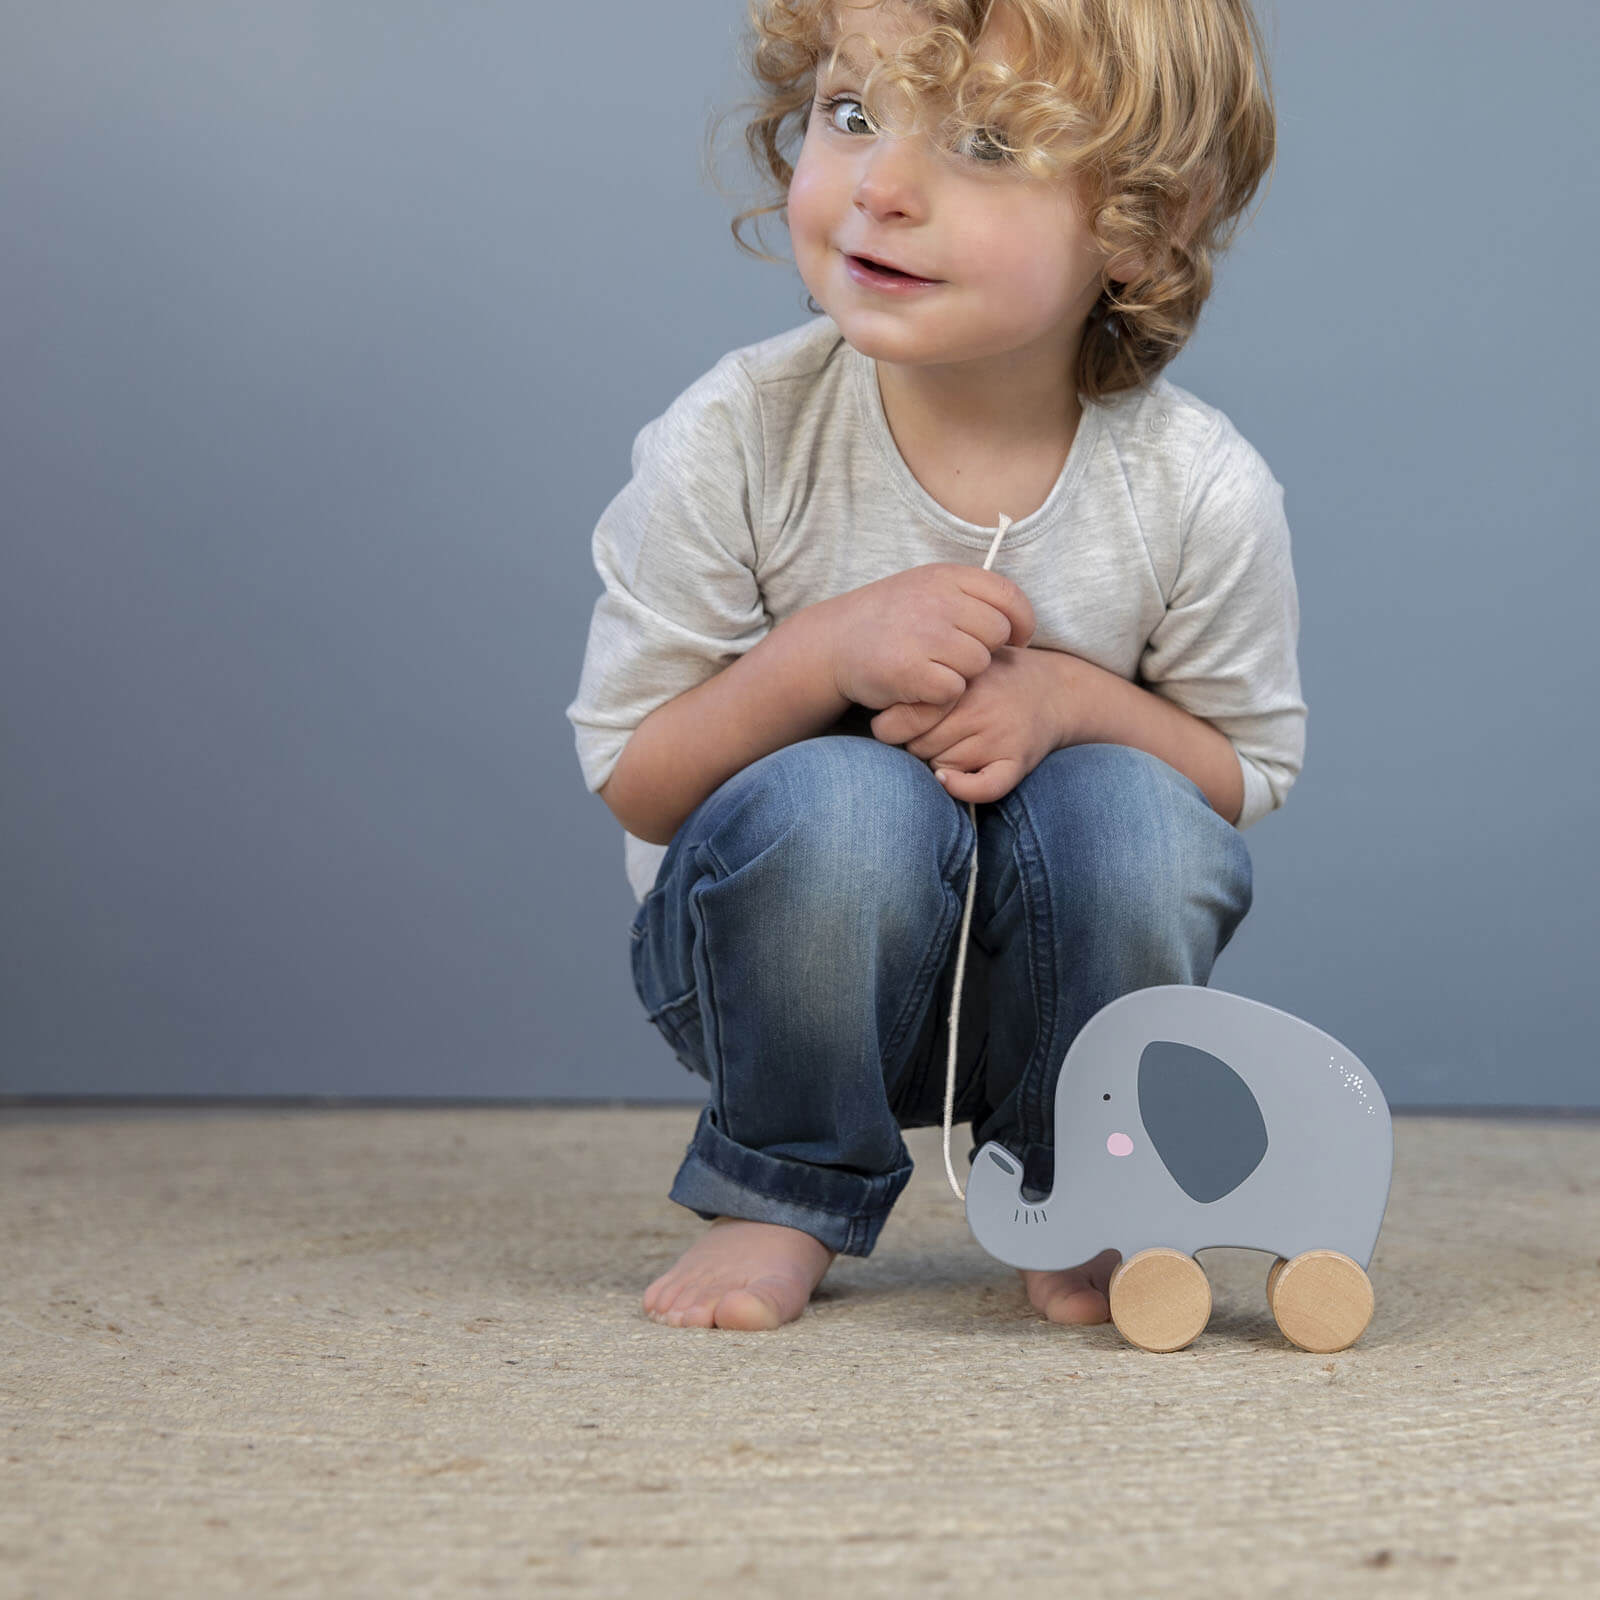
pixel 1185 1118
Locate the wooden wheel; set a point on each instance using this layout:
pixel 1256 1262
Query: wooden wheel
pixel 1160 1299
pixel 1322 1301
pixel 1272 1276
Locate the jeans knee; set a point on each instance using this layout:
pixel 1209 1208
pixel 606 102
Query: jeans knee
pixel 1136 840
pixel 857 821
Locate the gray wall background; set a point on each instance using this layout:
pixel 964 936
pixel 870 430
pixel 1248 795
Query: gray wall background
pixel 325 331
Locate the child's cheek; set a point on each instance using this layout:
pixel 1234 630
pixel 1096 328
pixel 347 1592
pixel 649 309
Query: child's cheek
pixel 809 225
pixel 804 204
pixel 1036 286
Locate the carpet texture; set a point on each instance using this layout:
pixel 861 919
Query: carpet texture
pixel 401 1351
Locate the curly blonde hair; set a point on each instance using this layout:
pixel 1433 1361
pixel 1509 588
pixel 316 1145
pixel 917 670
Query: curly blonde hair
pixel 1162 108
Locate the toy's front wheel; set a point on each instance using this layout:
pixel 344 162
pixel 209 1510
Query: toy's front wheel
pixel 1160 1299
pixel 1321 1301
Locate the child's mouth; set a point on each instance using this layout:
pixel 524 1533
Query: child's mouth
pixel 870 272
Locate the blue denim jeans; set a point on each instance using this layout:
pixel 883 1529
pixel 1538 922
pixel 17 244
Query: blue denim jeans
pixel 798 952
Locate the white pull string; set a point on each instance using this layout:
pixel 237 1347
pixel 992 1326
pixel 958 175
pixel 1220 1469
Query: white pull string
pixel 961 953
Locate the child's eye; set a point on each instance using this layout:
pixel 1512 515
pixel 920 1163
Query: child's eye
pixel 984 148
pixel 828 107
pixel 981 146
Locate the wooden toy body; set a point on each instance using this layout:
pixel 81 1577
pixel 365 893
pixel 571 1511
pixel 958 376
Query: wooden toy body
pixel 1187 1117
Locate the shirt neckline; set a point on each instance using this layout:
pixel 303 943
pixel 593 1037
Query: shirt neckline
pixel 1025 529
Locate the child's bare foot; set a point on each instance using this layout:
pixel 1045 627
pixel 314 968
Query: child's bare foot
pixel 740 1274
pixel 1074 1294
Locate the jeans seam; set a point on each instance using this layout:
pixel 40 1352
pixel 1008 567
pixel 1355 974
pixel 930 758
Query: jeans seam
pixel 710 1019
pixel 934 958
pixel 1030 1108
pixel 667 1005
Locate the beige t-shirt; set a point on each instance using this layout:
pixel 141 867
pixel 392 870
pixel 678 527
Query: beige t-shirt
pixel 773 482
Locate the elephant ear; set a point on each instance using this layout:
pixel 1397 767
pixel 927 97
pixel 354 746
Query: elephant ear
pixel 1201 1117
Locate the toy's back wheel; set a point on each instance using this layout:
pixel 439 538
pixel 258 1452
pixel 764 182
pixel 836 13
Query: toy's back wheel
pixel 1160 1299
pixel 1321 1301
pixel 1272 1276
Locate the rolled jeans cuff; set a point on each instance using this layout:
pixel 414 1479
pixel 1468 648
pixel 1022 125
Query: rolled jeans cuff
pixel 844 1210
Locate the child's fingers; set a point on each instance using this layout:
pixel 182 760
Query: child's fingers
pixel 987 784
pixel 900 724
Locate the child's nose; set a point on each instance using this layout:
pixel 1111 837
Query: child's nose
pixel 890 181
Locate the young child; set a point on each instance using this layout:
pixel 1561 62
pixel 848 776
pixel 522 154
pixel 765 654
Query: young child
pixel 800 674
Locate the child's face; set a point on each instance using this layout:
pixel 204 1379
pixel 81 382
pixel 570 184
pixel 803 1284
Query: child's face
pixel 1016 267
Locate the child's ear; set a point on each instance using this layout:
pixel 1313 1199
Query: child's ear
pixel 1130 265
pixel 1125 268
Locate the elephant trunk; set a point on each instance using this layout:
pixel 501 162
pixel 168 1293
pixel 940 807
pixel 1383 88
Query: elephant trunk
pixel 1035 1234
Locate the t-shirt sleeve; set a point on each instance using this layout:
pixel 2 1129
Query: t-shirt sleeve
pixel 676 550
pixel 1226 649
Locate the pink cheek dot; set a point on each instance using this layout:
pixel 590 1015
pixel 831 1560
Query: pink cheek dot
pixel 1119 1144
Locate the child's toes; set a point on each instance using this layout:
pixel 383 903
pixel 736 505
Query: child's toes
pixel 660 1294
pixel 1078 1306
pixel 692 1313
pixel 683 1308
pixel 753 1312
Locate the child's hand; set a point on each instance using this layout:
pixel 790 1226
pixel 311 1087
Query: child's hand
pixel 922 635
pixel 1009 719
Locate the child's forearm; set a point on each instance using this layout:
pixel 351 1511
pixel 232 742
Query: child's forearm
pixel 778 692
pixel 1098 707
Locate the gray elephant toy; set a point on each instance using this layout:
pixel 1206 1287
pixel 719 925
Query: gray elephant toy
pixel 1186 1118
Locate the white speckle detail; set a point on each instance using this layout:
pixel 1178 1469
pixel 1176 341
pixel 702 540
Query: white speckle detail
pixel 1354 1082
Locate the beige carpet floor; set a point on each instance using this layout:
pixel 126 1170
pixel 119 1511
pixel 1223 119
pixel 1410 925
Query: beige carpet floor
pixel 401 1351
